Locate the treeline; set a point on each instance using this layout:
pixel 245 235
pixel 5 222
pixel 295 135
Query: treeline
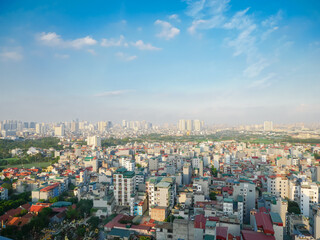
pixel 14 202
pixel 25 159
pixel 44 143
pixel 109 142
pixel 220 136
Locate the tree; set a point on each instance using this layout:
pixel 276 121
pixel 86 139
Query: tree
pixel 94 222
pixel 293 207
pixel 72 213
pixel 84 206
pixel 170 218
pixel 53 200
pixel 214 171
pixel 212 196
pixel 8 186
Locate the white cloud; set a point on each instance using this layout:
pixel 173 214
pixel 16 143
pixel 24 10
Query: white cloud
pixel 114 43
pixel 202 8
pixel 207 14
pixel 11 56
pixel 92 52
pixel 113 93
pixel 239 21
pixel 244 43
pixel 125 57
pixel 262 83
pixel 168 31
pixel 81 42
pixel 273 20
pixel 61 56
pixel 271 24
pixel 265 35
pixel 144 46
pixel 54 40
pixel 213 22
pixel 174 17
pixel 256 68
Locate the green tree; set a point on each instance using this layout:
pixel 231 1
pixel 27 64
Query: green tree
pixel 72 214
pixel 213 196
pixel 53 200
pixel 94 222
pixel 8 186
pixel 214 171
pixel 84 206
pixel 293 207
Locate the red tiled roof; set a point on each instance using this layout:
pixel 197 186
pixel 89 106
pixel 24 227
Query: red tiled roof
pixel 59 210
pixel 140 227
pixel 263 221
pixel 36 208
pixel 46 189
pixel 263 209
pixel 251 235
pixel 200 221
pixel 26 206
pixel 4 217
pixel 18 221
pixel 13 212
pixel 222 233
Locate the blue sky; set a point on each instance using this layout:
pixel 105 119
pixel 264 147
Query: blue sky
pixel 221 61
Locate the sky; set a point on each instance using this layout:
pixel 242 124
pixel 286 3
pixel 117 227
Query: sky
pixel 221 61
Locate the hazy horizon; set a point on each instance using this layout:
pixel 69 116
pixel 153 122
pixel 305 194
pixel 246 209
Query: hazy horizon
pixel 221 61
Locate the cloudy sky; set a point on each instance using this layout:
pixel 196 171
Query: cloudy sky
pixel 217 60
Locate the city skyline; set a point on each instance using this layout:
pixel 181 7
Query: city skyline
pixel 217 60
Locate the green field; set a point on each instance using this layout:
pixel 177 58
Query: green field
pixel 29 165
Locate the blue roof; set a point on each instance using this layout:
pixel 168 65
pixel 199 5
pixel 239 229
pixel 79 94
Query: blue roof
pixel 120 232
pixel 275 217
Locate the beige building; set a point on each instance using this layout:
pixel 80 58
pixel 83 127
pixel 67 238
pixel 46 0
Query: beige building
pixel 161 192
pixel 278 185
pixel 158 213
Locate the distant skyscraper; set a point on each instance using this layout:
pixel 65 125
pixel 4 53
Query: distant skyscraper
pixel 39 128
pixel 75 127
pixel 59 131
pixel 124 123
pixel 268 126
pixel 189 125
pixel 182 125
pixel 197 125
pixel 94 141
pixel 102 126
pixel 32 125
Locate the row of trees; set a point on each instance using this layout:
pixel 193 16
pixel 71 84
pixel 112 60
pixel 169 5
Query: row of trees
pixel 44 143
pixel 109 142
pixel 39 157
pixel 14 202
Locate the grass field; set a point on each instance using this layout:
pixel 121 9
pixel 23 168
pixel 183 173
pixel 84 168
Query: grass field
pixel 29 165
